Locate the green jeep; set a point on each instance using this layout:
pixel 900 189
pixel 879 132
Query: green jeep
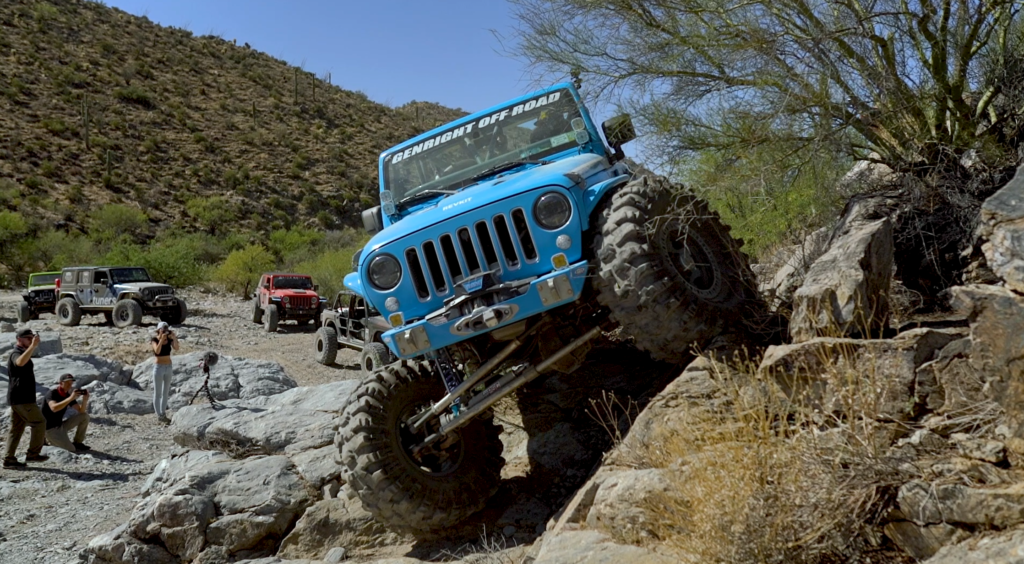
pixel 41 296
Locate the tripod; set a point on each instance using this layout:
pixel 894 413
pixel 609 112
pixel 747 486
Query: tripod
pixel 209 359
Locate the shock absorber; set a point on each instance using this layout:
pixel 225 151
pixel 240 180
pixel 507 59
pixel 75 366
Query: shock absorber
pixel 451 379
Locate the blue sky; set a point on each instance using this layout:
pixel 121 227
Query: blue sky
pixel 393 51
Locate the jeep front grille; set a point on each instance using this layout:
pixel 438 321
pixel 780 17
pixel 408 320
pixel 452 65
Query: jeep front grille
pixel 301 302
pixel 44 295
pixel 501 243
pixel 149 294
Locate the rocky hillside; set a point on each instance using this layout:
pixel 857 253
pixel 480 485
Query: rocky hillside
pixel 99 106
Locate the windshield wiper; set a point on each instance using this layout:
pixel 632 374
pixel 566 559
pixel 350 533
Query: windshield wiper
pixel 506 166
pixel 423 195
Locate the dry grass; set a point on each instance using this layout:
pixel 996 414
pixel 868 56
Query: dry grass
pixel 765 481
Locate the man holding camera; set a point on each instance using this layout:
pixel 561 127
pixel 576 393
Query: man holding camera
pixel 58 401
pixel 21 395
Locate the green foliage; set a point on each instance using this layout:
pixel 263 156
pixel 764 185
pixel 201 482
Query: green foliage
pixel 294 244
pixel 213 212
pixel 768 195
pixel 242 268
pixel 171 262
pixel 328 269
pixel 116 221
pixel 56 249
pixel 137 96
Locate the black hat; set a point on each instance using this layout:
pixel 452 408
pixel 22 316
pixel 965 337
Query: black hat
pixel 65 377
pixel 26 332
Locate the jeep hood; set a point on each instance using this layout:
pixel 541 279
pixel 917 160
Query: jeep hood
pixel 487 192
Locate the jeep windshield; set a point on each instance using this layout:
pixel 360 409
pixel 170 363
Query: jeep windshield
pixel 43 279
pixel 127 275
pixel 525 131
pixel 292 283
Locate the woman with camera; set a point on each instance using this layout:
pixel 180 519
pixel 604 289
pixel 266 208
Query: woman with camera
pixel 162 344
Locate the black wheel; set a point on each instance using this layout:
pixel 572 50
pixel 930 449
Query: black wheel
pixel 374 357
pixel 326 345
pixel 270 318
pixel 421 494
pixel 126 313
pixel 68 312
pixel 24 312
pixel 257 312
pixel 176 316
pixel 668 269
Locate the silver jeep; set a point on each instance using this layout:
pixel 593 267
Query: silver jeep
pixel 123 294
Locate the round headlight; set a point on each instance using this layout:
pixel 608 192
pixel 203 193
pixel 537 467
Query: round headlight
pixel 385 272
pixel 552 210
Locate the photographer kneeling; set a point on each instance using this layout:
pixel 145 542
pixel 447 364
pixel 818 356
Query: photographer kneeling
pixel 58 400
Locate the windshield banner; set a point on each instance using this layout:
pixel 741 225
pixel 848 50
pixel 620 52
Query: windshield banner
pixel 482 122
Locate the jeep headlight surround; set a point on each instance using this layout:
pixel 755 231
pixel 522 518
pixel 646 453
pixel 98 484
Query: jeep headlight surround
pixel 552 210
pixel 384 272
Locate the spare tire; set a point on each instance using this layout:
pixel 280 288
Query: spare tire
pixel 668 269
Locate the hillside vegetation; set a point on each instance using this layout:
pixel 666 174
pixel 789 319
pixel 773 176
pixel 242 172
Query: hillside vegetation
pixel 105 115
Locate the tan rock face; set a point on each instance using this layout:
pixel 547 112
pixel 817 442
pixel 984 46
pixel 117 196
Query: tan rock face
pixel 846 290
pixel 1002 225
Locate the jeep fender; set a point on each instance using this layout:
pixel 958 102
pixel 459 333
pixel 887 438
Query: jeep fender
pixel 352 282
pixel 593 194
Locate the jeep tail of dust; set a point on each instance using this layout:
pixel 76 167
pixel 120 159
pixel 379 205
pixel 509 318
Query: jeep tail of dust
pixel 504 243
pixel 281 296
pixel 122 294
pixel 40 297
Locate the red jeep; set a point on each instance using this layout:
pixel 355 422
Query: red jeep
pixel 281 296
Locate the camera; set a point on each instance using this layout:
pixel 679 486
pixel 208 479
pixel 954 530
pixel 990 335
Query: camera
pixel 83 392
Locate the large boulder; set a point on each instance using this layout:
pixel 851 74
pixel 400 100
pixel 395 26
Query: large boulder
pixel 931 504
pixel 230 378
pixel 950 384
pixel 781 274
pixel 206 501
pixel 996 316
pixel 49 343
pixel 85 367
pixel 109 399
pixel 827 373
pixel 339 522
pixel 296 420
pixel 1002 229
pixel 576 547
pixel 846 290
pixel 998 548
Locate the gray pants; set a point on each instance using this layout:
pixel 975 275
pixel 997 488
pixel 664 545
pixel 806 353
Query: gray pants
pixel 58 436
pixel 21 415
pixel 162 375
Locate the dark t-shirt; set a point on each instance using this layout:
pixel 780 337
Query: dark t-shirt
pixel 164 350
pixel 22 387
pixel 55 418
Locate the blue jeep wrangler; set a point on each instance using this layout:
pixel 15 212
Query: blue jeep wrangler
pixel 505 241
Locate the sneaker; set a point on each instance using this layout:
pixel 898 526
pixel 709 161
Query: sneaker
pixel 81 446
pixel 14 464
pixel 36 458
pixel 164 419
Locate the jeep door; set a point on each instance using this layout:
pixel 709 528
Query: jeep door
pixel 101 288
pixel 83 288
pixel 264 291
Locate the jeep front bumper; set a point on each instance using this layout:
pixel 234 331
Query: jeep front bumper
pixel 435 332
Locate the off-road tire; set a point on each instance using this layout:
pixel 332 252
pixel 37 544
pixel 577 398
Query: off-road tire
pixel 24 312
pixel 68 311
pixel 397 490
pixel 126 313
pixel 374 357
pixel 257 313
pixel 668 269
pixel 326 345
pixel 178 315
pixel 270 318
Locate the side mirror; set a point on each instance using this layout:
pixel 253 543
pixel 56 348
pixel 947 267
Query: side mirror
pixel 266 286
pixel 618 131
pixel 373 220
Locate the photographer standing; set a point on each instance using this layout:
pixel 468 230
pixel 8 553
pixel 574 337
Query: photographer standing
pixel 163 343
pixel 21 395
pixel 57 402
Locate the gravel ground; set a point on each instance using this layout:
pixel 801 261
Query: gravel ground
pixel 51 510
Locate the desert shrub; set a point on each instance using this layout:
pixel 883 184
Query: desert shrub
pixel 116 221
pixel 56 249
pixel 768 481
pixel 242 267
pixel 137 96
pixel 212 212
pixel 293 245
